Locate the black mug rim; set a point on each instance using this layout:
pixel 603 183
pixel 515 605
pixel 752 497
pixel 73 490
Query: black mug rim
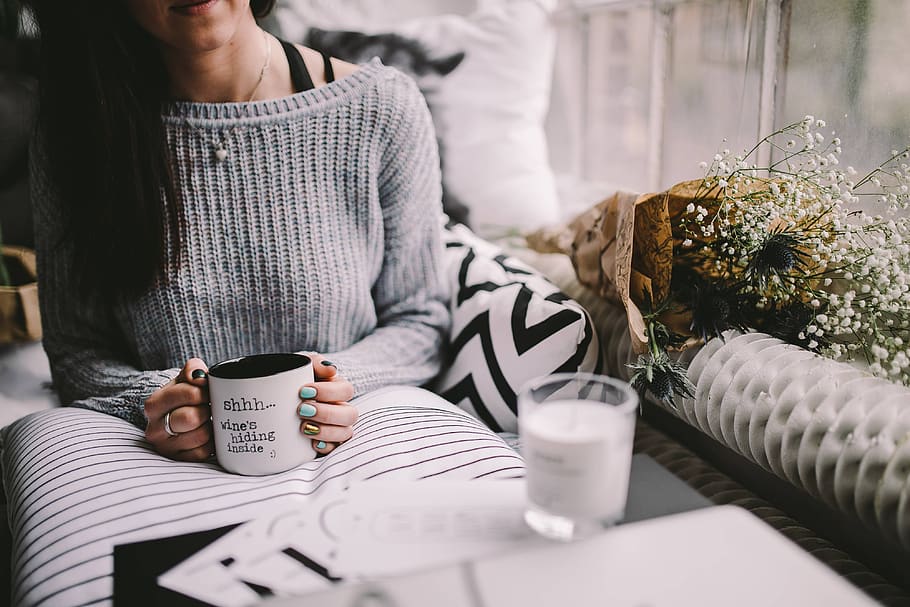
pixel 255 366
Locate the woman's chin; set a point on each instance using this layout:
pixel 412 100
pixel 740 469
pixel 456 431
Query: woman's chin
pixel 193 25
pixel 202 36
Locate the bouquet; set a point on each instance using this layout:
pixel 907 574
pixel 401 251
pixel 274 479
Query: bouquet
pixel 800 248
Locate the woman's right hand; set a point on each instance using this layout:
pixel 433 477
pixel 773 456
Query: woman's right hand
pixel 186 399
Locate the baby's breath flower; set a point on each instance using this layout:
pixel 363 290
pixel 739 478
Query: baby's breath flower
pixel 790 245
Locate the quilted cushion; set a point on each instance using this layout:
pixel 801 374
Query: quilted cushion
pixel 79 482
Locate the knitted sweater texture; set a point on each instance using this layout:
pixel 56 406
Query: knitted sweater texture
pixel 320 232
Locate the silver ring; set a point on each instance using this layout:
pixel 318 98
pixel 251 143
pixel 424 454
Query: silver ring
pixel 167 424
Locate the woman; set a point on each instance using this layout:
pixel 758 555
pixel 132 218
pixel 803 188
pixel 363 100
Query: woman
pixel 204 191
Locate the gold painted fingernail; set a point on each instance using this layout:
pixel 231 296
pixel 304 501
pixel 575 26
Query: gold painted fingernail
pixel 310 429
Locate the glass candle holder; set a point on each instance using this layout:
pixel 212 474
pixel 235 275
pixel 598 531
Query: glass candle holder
pixel 576 437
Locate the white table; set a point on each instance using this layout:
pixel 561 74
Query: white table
pixel 714 556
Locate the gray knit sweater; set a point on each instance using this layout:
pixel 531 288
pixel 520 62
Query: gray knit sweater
pixel 320 231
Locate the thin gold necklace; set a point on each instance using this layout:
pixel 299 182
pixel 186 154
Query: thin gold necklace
pixel 220 144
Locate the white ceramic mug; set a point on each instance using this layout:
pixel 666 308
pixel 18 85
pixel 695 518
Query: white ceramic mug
pixel 254 413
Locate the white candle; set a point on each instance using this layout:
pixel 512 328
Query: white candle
pixel 578 455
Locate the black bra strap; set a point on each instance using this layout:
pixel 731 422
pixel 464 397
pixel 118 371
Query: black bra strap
pixel 327 63
pixel 300 76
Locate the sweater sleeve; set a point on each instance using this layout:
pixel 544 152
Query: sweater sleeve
pixel 410 294
pixel 89 360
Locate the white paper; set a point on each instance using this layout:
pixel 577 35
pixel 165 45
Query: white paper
pixel 300 560
pixel 373 529
pixel 397 527
pixel 221 573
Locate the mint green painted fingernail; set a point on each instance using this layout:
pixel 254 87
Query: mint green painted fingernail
pixel 198 374
pixel 321 445
pixel 307 392
pixel 306 410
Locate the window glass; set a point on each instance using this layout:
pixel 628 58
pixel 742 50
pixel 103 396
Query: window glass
pixel 713 85
pixel 848 64
pixel 640 112
pixel 598 126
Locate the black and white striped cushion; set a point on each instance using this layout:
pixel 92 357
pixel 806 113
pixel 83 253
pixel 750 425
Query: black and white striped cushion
pixel 509 325
pixel 80 482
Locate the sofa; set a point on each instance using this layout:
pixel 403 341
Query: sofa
pixel 818 447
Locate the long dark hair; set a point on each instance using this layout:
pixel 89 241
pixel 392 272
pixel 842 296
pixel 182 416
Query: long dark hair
pixel 102 85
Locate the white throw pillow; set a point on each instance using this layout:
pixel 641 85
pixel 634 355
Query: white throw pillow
pixel 294 16
pixel 489 112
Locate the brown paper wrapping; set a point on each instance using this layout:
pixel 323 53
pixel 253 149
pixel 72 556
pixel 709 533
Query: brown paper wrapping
pixel 622 248
pixel 20 319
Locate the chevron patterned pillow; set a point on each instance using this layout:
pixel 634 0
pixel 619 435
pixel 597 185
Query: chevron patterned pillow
pixel 509 325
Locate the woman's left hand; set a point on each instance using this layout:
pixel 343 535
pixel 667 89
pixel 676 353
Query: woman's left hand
pixel 324 409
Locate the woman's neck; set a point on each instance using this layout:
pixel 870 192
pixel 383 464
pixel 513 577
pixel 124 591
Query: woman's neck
pixel 228 73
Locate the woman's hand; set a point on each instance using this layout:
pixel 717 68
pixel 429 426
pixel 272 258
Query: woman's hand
pixel 325 412
pixel 184 403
